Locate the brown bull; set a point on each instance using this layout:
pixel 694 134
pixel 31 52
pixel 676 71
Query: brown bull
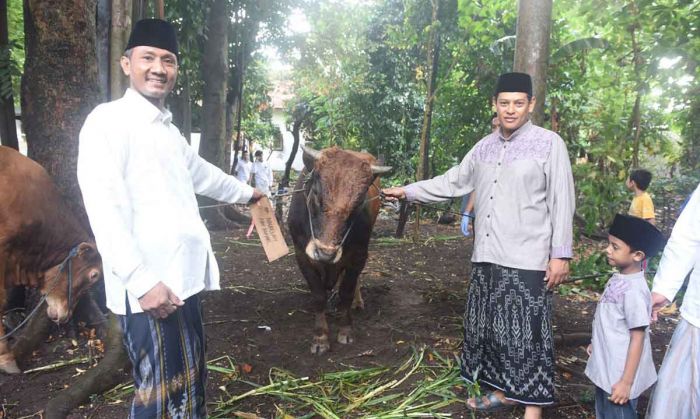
pixel 330 224
pixel 37 234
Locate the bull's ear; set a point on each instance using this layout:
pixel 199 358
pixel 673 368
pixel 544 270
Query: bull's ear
pixel 309 157
pixel 381 170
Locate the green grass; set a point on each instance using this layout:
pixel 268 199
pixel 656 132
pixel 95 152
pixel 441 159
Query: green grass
pixel 421 386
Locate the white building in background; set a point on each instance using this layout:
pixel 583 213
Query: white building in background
pixel 280 95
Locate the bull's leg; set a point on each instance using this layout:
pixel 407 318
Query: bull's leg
pixel 357 302
pixel 348 289
pixel 7 360
pixel 314 278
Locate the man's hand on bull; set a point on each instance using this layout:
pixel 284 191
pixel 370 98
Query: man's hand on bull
pixel 557 272
pixel 393 194
pixel 256 196
pixel 160 301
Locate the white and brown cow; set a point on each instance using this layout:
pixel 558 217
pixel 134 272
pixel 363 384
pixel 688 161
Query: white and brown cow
pixel 37 233
pixel 331 224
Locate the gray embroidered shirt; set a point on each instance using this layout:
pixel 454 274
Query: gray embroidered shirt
pixel 624 305
pixel 524 197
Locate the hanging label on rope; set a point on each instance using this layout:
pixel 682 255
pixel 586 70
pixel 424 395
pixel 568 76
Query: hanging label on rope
pixel 268 229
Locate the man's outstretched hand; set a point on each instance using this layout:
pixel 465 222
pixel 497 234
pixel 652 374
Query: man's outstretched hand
pixel 256 196
pixel 393 194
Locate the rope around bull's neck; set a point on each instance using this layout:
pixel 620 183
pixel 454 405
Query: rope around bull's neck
pixel 73 252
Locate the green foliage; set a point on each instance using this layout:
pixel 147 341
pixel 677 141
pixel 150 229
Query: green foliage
pixel 362 70
pixel 12 56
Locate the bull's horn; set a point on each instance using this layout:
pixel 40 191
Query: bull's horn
pixel 381 170
pixel 315 154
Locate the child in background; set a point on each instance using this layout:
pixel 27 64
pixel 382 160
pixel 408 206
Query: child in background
pixel 642 206
pixel 620 363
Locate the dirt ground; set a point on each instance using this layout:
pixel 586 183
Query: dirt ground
pixel 414 295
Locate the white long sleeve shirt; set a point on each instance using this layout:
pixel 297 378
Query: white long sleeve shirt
pixel 263 176
pixel 682 253
pixel 138 177
pixel 243 169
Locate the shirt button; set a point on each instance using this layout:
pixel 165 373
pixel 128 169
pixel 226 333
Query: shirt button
pixel 490 197
pixel 499 163
pixel 488 216
pixel 495 181
pixel 487 234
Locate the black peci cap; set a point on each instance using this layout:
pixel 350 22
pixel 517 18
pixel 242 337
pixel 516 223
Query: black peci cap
pixel 638 233
pixel 514 82
pixel 153 33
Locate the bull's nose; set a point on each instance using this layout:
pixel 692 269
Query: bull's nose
pixel 324 255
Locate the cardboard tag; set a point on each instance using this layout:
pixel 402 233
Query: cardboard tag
pixel 268 229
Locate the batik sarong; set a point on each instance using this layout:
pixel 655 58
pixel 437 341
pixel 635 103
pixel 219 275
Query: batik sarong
pixel 508 333
pixel 168 361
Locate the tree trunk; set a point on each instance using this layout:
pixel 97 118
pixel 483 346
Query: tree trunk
pixel 433 60
pixel 214 69
pixel 59 88
pixel 296 134
pixel 8 127
pixel 532 48
pixel 103 23
pixel 121 26
pixel 230 160
pixel 404 211
pixel 423 171
pixel 235 100
pixel 107 374
pixel 691 131
pixel 160 9
pixel 637 109
pixel 139 9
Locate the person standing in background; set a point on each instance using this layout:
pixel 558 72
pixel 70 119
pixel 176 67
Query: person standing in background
pixel 262 174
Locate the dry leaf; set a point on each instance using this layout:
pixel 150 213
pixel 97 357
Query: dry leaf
pixel 245 415
pixel 668 310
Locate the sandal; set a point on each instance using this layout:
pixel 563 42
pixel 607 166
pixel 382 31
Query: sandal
pixel 490 402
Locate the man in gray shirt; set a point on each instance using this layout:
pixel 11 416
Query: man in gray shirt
pixel 523 243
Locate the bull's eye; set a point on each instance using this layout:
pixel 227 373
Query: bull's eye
pixel 94 276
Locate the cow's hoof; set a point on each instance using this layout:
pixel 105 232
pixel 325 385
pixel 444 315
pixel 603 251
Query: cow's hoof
pixel 358 304
pixel 345 336
pixel 9 366
pixel 320 345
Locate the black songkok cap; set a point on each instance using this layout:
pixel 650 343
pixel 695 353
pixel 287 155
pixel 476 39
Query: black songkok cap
pixel 153 33
pixel 514 82
pixel 638 233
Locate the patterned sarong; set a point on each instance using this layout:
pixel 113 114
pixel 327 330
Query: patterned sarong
pixel 168 361
pixel 508 333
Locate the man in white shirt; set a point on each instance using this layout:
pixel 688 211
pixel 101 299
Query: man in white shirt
pixel 677 392
pixel 262 174
pixel 243 168
pixel 139 177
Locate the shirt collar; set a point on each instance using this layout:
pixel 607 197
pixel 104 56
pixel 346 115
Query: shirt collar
pixel 635 275
pixel 144 110
pixel 517 133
